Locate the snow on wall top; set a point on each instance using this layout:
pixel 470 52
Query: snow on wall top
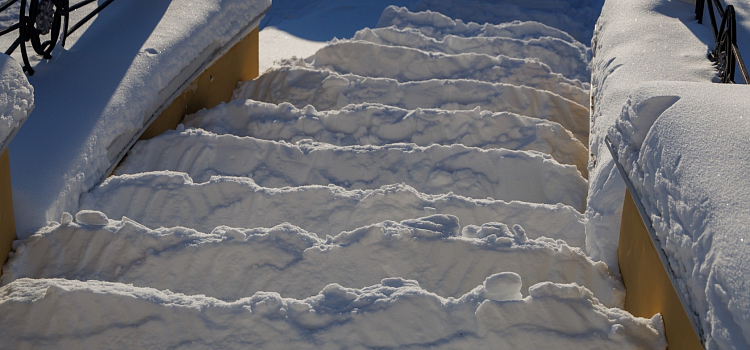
pixel 105 86
pixel 692 180
pixel 16 99
pixel 635 41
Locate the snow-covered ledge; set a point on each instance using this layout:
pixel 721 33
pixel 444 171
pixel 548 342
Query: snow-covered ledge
pixel 16 102
pixel 95 97
pixel 684 148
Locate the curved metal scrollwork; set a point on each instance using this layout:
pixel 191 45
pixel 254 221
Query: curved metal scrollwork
pixel 726 56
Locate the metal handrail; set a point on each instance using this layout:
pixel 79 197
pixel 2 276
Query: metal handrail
pixel 27 30
pixel 692 316
pixel 726 54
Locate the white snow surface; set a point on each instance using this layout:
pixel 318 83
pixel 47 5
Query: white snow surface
pixel 103 87
pixel 376 124
pixel 658 40
pixel 576 17
pixel 230 263
pixel 326 90
pixel 473 172
pixel 692 181
pixel 173 199
pixel 409 64
pixel 437 25
pixel 566 315
pixel 16 99
pixel 561 56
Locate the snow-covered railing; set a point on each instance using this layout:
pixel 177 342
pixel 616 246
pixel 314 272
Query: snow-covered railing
pixel 656 243
pixel 726 54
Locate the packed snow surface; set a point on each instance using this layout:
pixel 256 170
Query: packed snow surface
pixel 16 99
pixel 561 56
pixel 408 64
pixel 472 172
pixel 692 181
pixel 134 317
pixel 173 199
pixel 231 263
pixel 326 90
pixel 376 124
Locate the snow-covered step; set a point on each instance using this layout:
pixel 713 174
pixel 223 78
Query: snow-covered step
pixel 326 90
pixel 437 25
pixel 376 124
pixel 170 199
pixel 230 263
pixel 576 17
pixel 473 172
pixel 58 314
pixel 561 56
pixel 407 64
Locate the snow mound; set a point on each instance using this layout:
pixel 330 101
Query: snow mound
pixel 230 263
pixel 326 90
pixel 561 56
pixel 172 199
pixel 437 25
pixel 692 181
pixel 16 99
pixel 375 124
pixel 472 172
pixel 576 17
pixel 337 317
pixel 407 64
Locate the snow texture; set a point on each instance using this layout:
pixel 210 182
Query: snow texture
pixel 566 315
pixel 326 90
pixel 173 199
pixel 466 171
pixel 409 64
pixel 437 25
pixel 659 40
pixel 230 263
pixel 93 96
pixel 375 124
pixel 16 99
pixel 576 17
pixel 692 181
pixel 561 56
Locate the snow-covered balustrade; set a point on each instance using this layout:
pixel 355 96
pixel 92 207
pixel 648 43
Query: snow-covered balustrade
pixel 687 158
pixel 96 96
pixel 16 103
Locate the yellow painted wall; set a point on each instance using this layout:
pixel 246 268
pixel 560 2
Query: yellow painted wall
pixel 212 87
pixel 7 221
pixel 649 290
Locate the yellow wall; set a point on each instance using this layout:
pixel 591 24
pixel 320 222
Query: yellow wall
pixel 212 87
pixel 649 290
pixel 7 221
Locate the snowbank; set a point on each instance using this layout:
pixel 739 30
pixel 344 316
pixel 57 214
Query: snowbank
pixel 635 41
pixel 230 263
pixel 408 64
pixel 692 180
pixel 94 97
pixel 566 315
pixel 561 56
pixel 501 174
pixel 172 199
pixel 326 90
pixel 376 124
pixel 16 99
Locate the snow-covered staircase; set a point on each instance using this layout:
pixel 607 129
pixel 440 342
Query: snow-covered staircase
pixel 419 185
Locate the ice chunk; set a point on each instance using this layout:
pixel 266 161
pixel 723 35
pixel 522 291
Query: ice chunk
pixel 503 286
pixel 90 217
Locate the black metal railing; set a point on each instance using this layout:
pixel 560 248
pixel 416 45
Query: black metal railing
pixel 726 55
pixel 40 22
